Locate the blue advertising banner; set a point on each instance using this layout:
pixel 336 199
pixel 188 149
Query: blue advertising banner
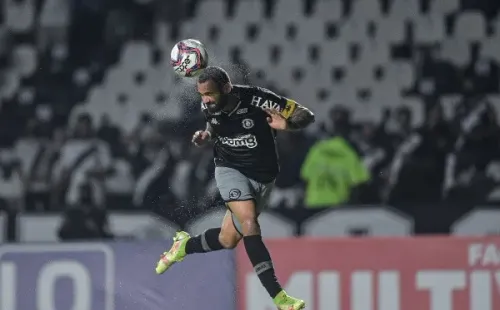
pixel 112 276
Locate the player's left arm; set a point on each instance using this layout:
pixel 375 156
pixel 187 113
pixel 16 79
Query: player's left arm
pixel 290 115
pixel 293 116
pixel 297 116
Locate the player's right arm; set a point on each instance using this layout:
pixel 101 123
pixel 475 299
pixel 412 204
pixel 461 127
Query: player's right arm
pixel 202 137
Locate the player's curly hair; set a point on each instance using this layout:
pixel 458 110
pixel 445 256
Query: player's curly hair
pixel 216 74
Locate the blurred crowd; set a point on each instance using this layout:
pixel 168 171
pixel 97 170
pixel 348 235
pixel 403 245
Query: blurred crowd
pixel 48 163
pixel 156 166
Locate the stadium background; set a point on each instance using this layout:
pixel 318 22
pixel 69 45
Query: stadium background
pixel 411 86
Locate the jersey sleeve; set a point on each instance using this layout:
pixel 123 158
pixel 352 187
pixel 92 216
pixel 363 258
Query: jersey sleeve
pixel 287 106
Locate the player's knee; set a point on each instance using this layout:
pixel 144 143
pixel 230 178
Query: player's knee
pixel 228 241
pixel 250 226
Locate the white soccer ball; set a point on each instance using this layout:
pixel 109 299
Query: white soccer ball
pixel 189 57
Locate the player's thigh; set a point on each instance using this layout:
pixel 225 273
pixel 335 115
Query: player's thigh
pixel 263 195
pixel 229 235
pixel 257 205
pixel 237 191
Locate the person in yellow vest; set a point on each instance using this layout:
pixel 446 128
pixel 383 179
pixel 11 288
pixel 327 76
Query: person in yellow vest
pixel 332 168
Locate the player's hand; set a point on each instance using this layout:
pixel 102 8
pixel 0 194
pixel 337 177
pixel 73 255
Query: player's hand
pixel 276 120
pixel 201 137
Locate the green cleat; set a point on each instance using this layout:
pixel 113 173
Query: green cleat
pixel 176 253
pixel 285 302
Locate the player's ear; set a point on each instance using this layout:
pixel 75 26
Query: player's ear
pixel 226 89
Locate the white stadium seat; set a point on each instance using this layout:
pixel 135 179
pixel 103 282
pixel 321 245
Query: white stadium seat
pixel 441 8
pixel 328 10
pixel 211 10
pixel 326 28
pixel 25 60
pixel 470 26
pixel 249 11
pixel 288 11
pixel 404 10
pixel 366 10
pixel 137 55
pixel 455 51
pixel 429 29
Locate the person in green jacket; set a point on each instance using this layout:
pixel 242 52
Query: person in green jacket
pixel 331 169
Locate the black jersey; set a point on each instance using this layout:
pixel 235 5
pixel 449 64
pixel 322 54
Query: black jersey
pixel 243 139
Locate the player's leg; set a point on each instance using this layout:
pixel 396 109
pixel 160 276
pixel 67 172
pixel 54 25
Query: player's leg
pixel 243 197
pixel 214 239
pixel 226 237
pixel 245 213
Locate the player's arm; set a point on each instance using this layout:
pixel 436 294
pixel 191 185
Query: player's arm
pixel 210 130
pixel 202 137
pixel 300 117
pixel 293 116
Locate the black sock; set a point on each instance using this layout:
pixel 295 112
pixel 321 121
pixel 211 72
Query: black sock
pixel 206 242
pixel 262 264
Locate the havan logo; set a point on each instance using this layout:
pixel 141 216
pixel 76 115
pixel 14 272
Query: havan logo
pixel 266 104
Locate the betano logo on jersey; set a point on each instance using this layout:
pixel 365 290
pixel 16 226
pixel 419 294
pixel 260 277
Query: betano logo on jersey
pixel 249 141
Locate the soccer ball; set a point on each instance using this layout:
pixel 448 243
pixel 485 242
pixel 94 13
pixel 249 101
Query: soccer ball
pixel 188 58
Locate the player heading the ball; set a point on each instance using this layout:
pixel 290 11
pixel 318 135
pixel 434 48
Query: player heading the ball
pixel 241 123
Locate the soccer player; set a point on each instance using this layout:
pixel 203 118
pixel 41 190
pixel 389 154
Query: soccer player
pixel 242 122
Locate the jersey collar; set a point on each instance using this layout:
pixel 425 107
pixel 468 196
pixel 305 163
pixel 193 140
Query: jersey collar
pixel 235 108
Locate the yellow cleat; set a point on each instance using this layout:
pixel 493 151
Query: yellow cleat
pixel 176 253
pixel 285 302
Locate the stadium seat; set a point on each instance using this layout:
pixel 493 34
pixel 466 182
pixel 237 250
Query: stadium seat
pixel 211 10
pixel 286 11
pixel 441 8
pixel 25 60
pixel 364 11
pixel 400 73
pixel 328 10
pixel 352 31
pixel 311 31
pixel 429 29
pixel 249 11
pixel 404 10
pixel 470 26
pixel 19 15
pixel 391 31
pixel 456 51
pixel 491 49
pixel 10 84
pixel 136 56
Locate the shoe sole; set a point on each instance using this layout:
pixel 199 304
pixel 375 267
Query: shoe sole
pixel 301 307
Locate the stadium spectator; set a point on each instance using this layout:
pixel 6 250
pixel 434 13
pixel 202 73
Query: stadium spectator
pixel 11 179
pixel 37 155
pixel 289 191
pixel 83 159
pixel 332 171
pixel 84 221
pixel 417 172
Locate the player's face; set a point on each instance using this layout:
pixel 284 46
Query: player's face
pixel 211 96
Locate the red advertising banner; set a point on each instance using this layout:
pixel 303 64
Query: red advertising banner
pixel 428 273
